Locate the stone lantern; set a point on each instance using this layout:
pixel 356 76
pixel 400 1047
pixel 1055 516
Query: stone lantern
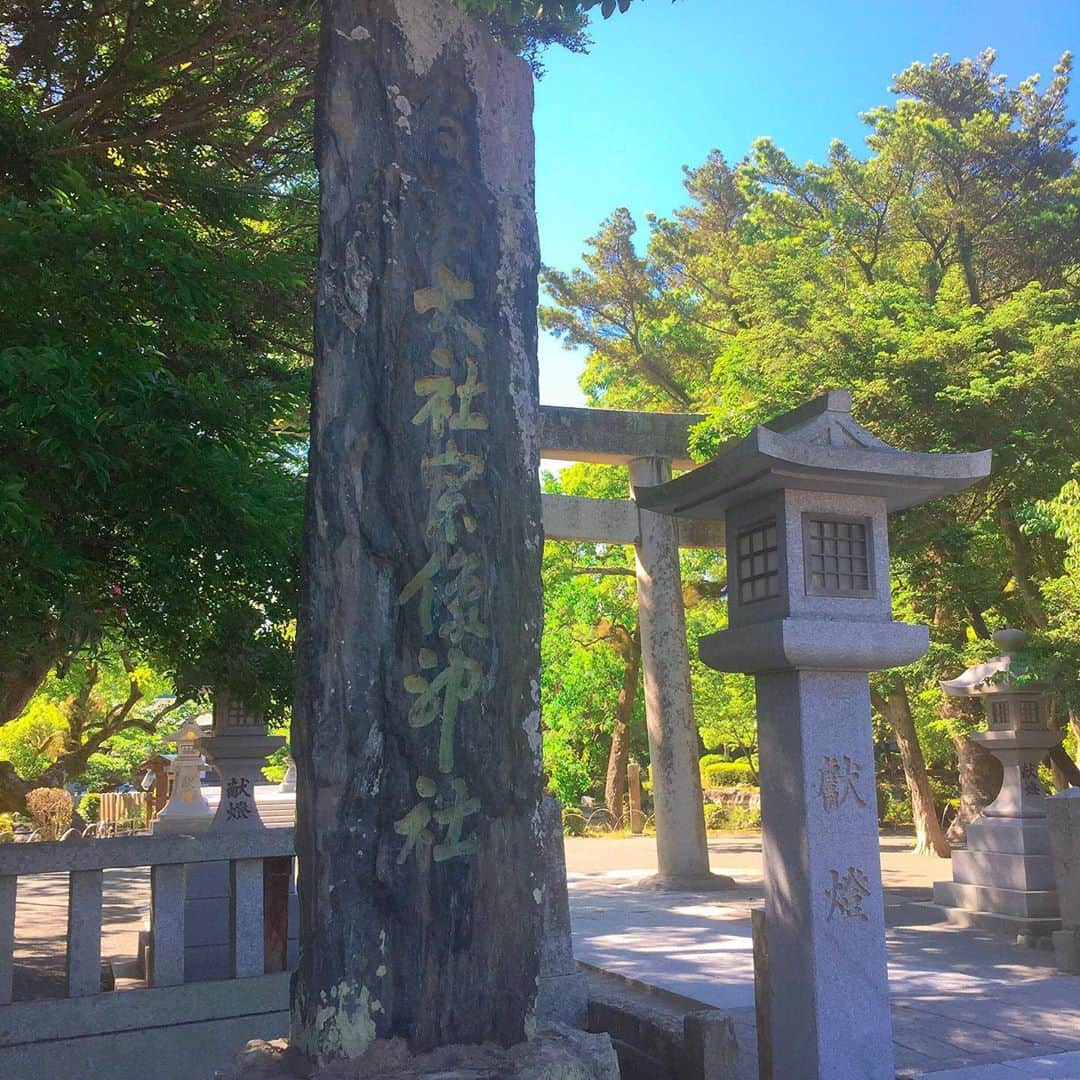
pixel 805 499
pixel 187 810
pixel 1004 880
pixel 238 749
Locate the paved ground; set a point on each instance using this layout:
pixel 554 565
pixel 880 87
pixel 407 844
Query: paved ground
pixel 965 1004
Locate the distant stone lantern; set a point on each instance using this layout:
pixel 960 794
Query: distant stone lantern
pixel 187 810
pixel 1005 878
pixel 805 499
pixel 238 748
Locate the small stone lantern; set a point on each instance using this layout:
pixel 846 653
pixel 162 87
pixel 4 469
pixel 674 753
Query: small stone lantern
pixel 1004 880
pixel 805 499
pixel 187 810
pixel 238 749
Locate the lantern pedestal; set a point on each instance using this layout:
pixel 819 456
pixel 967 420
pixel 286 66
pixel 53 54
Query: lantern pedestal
pixel 1004 880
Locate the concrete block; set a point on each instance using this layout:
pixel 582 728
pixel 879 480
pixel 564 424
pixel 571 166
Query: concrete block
pixel 206 922
pixel 996 900
pixel 207 879
pixel 710 1051
pixel 207 962
pixel 1008 870
pixel 1067 950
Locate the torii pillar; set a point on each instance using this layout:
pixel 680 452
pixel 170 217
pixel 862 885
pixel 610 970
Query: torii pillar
pixel 650 445
pixel 682 852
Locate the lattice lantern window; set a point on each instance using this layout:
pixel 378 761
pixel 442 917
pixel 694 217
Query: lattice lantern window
pixel 758 554
pixel 838 555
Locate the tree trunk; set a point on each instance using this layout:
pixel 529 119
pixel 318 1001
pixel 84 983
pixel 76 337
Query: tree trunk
pixel 967 262
pixel 1022 563
pixel 619 755
pixel 416 726
pixel 929 838
pixel 980 782
pixel 19 686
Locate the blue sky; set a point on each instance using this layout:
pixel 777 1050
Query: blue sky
pixel 666 83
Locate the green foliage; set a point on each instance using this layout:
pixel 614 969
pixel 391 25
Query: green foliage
pixel 717 774
pixel 90 806
pixel 35 740
pixel 130 396
pixel 936 277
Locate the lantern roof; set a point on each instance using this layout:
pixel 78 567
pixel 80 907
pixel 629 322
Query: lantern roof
pixel 817 447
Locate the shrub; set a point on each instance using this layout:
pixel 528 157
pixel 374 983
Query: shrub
pixel 725 773
pixel 7 830
pixel 894 807
pixel 90 806
pixel 716 817
pixel 573 823
pixel 50 811
pixel 742 817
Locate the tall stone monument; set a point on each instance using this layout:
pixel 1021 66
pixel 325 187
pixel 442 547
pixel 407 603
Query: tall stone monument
pixel 1004 879
pixel 805 499
pixel 416 725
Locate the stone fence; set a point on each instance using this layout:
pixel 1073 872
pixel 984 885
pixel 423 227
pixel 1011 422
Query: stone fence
pixel 91 1033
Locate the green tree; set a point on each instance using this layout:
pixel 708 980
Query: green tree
pixel 936 276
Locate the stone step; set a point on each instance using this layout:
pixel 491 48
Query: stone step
pixel 1022 836
pixel 1009 870
pixel 1040 904
pixel 1010 926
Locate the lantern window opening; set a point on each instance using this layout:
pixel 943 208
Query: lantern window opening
pixel 757 552
pixel 838 555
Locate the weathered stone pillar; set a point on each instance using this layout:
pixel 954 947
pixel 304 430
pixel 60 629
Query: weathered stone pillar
pixel 682 852
pixel 416 726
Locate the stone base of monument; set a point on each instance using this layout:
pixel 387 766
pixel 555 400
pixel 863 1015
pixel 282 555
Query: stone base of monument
pixel 669 883
pixel 555 1052
pixel 1004 880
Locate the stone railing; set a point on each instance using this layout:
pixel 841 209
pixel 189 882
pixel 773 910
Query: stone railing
pixel 34 1035
pixel 167 856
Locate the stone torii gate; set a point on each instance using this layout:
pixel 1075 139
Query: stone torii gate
pixel 651 445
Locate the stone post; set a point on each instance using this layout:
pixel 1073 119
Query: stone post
pixel 805 500
pixel 416 727
pixel 563 993
pixel 1063 815
pixel 633 783
pixel 682 852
